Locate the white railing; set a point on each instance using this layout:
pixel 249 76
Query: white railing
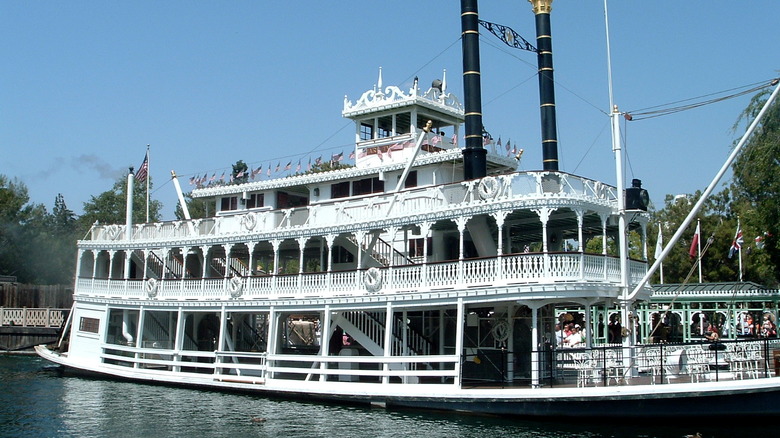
pixel 528 269
pixel 409 203
pixel 248 367
pixel 32 317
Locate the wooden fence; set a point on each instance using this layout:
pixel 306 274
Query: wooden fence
pixel 35 296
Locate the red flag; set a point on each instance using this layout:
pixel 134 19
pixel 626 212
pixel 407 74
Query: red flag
pixel 695 242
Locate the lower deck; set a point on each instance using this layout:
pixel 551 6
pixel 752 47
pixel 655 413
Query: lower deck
pixel 459 346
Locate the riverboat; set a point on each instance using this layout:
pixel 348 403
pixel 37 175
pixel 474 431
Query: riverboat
pixel 431 274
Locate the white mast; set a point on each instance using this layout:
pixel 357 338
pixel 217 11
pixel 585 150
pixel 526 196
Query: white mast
pixel 625 320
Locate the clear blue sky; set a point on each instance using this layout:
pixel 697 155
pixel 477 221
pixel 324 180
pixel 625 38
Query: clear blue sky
pixel 86 85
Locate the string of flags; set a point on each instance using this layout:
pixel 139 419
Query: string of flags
pixel 254 173
pixel 269 170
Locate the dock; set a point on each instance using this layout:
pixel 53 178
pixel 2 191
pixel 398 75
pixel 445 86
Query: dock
pixel 23 328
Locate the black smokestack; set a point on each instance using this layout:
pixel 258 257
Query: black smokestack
pixel 474 163
pixel 542 10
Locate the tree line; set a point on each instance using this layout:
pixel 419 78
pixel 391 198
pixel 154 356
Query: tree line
pixel 39 247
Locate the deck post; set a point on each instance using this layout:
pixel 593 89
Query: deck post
pixel 459 343
pixel 327 332
pixel 177 346
pixel 535 351
pixel 139 332
pixel 388 340
pixel 271 342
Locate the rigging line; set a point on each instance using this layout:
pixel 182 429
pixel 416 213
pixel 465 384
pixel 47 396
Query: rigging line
pixel 509 90
pixel 535 67
pixel 457 40
pixel 591 146
pixel 167 181
pixel 658 113
pixel 642 115
pixel 624 133
pixel 324 141
pixel 755 86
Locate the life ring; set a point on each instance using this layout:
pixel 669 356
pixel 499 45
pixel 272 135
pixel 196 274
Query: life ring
pixel 151 286
pixel 500 330
pixel 236 285
pixel 249 221
pixel 373 279
pixel 488 187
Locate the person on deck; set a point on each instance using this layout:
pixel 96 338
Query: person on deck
pixel 574 339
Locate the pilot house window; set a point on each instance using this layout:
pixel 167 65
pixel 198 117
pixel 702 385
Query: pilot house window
pixel 255 200
pixel 229 203
pixel 366 132
pixel 367 186
pixel 339 190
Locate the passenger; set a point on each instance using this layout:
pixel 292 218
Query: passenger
pixel 712 334
pixel 559 336
pixel 769 328
pixel 575 338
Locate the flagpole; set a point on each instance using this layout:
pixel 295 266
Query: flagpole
pixel 659 248
pixel 148 177
pixel 698 246
pixel 739 248
pixel 660 233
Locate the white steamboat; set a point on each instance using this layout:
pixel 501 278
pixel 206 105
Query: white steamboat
pixel 401 281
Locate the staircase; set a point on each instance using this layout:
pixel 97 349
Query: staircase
pixel 367 329
pixel 376 252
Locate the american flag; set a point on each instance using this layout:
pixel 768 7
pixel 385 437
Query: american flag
pixel 143 171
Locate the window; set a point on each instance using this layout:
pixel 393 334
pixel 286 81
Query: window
pixel 255 200
pixel 416 247
pixel 367 186
pixel 341 255
pixel 384 127
pixel 90 325
pixel 366 131
pixel 411 180
pixel 339 190
pixel 229 203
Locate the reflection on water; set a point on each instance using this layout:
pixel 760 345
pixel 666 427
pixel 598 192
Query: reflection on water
pixel 36 402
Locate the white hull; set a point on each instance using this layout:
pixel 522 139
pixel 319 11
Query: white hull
pixel 632 401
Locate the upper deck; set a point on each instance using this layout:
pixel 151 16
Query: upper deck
pixel 526 191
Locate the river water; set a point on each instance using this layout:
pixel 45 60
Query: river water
pixel 36 401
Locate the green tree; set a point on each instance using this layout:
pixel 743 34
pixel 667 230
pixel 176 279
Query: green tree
pixel 110 207
pixel 756 186
pixel 36 247
pixel 240 172
pixel 717 225
pixel 325 166
pixel 198 208
pixel 63 234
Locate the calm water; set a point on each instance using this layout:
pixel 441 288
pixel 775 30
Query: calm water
pixel 36 402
